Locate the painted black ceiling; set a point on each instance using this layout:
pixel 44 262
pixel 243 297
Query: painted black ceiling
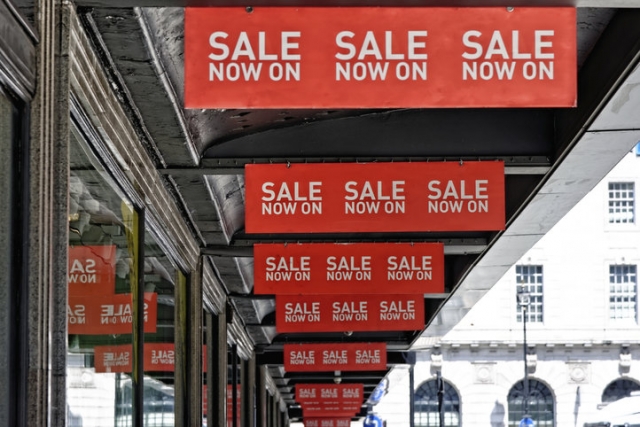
pixel 552 156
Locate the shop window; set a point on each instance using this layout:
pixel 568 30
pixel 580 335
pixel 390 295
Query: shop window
pixel 161 279
pixel 540 404
pixel 426 405
pixel 103 277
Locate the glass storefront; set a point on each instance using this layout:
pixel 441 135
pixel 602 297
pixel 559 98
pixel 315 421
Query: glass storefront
pixel 104 268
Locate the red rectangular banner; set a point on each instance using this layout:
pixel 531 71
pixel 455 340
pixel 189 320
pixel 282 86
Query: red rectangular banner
pixel 348 268
pixel 92 270
pixel 374 197
pixel 327 422
pixel 335 357
pixel 325 413
pixel 311 394
pixel 380 57
pixel 108 314
pixel 357 313
pixel 158 357
pixel 113 358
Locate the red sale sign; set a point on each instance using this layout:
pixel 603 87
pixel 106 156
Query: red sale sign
pixel 374 197
pixel 311 394
pixel 380 57
pixel 109 314
pixel 92 270
pixel 335 357
pixel 339 313
pixel 348 268
pixel 327 422
pixel 329 413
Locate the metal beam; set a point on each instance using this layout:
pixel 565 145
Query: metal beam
pixel 407 3
pixel 244 249
pixel 428 134
pixel 514 165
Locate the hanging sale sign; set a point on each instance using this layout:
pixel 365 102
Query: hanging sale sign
pixel 335 357
pixel 339 313
pixel 380 57
pixel 108 314
pixel 327 422
pixel 374 197
pixel 329 393
pixel 348 268
pixel 92 270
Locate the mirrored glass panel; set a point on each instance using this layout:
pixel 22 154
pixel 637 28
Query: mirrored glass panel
pixel 103 263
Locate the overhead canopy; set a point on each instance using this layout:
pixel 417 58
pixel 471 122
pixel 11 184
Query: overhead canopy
pixel 552 158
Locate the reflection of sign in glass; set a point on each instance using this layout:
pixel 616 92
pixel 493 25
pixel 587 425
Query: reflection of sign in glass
pixel 92 270
pixel 108 314
pixel 158 357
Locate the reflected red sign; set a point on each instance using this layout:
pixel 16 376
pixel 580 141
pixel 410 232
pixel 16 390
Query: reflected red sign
pixel 158 357
pixel 380 57
pixel 374 197
pixel 335 357
pixel 113 358
pixel 327 422
pixel 348 268
pixel 92 270
pixel 339 313
pixel 108 314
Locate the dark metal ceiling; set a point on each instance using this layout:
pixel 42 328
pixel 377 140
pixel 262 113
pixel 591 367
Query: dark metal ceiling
pixel 552 157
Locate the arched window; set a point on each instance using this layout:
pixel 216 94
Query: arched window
pixel 540 404
pixel 619 389
pixel 426 405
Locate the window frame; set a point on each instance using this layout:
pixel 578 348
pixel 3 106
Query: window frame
pixel 147 223
pixel 536 298
pixel 534 384
pixel 449 390
pixel 608 217
pixel 634 319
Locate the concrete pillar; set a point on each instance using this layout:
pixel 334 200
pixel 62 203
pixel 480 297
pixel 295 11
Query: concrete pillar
pixel 48 221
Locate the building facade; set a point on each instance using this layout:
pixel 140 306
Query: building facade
pixel 582 331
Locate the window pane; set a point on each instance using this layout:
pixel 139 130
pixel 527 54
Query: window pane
pixel 539 404
pixel 621 202
pixel 531 278
pixel 619 389
pixel 160 279
pixel 426 405
pixel 623 281
pixel 102 273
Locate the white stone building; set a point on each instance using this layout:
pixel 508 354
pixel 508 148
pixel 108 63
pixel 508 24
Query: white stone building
pixel 583 330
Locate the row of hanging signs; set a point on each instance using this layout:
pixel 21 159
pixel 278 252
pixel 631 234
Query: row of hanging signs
pixel 369 57
pixel 357 287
